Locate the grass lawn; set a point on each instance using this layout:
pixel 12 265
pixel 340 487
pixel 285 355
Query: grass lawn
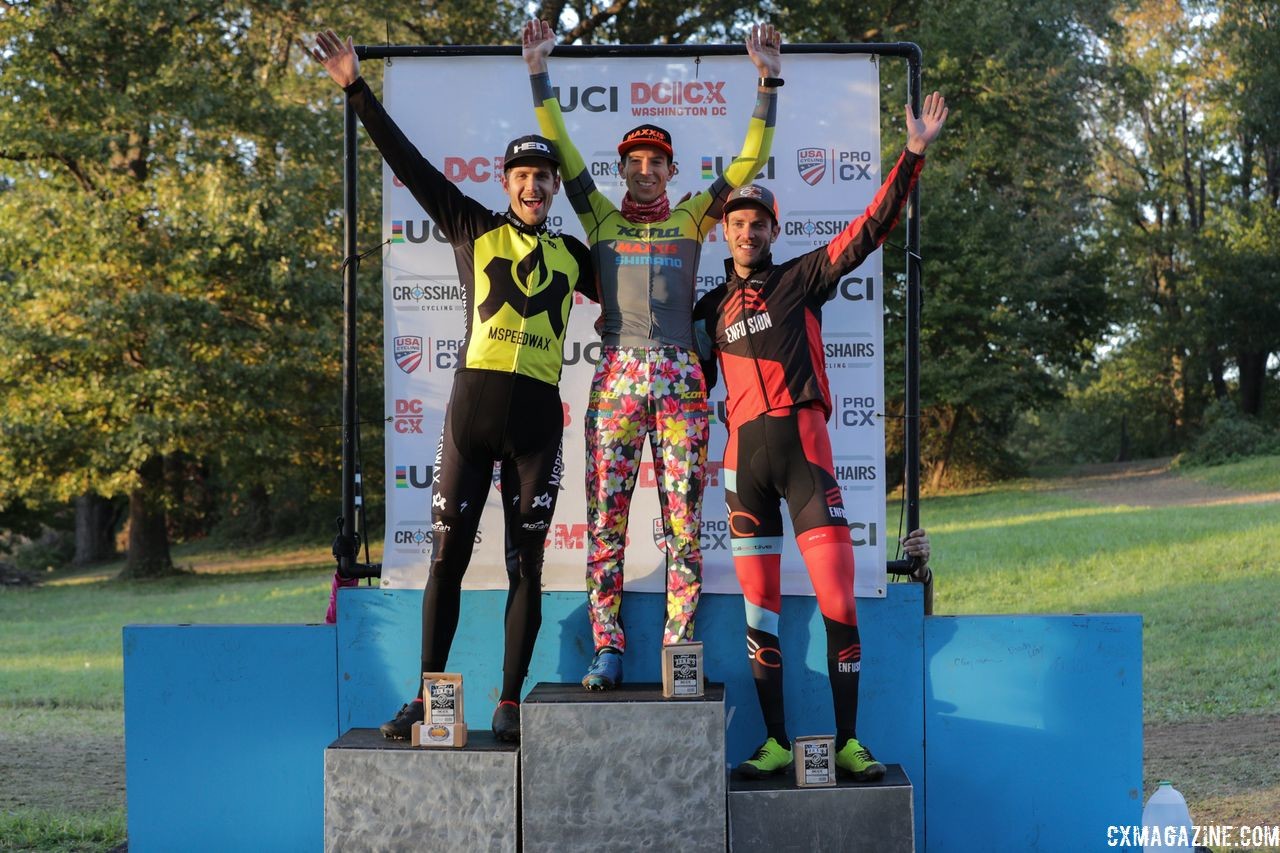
pixel 62 672
pixel 1259 474
pixel 1204 577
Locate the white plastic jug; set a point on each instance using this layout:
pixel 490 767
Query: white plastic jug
pixel 1166 813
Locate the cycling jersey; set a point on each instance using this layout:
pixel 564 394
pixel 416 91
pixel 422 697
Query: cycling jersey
pixel 767 329
pixel 518 279
pixel 647 270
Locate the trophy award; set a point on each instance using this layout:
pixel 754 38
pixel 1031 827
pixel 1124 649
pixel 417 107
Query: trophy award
pixel 442 720
pixel 682 672
pixel 815 761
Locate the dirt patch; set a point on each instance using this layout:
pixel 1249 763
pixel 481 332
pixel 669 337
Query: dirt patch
pixel 1229 770
pixel 73 775
pixel 1150 483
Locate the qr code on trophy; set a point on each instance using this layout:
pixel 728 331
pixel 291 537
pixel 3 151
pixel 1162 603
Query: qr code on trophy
pixel 684 667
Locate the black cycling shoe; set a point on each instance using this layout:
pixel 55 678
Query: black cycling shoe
pixel 402 726
pixel 506 722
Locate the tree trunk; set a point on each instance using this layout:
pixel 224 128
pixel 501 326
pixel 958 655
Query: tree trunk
pixel 1253 374
pixel 939 474
pixel 259 511
pixel 148 538
pixel 1122 454
pixel 95 529
pixel 1178 388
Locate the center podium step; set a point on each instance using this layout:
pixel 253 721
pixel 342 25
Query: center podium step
pixel 623 769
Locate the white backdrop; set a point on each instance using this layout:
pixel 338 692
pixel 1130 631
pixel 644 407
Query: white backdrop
pixel 825 169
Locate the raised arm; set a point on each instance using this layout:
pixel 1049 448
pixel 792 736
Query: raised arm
pixel 458 216
pixel 865 233
pixel 588 202
pixel 764 47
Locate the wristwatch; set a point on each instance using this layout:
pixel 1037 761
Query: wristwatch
pixel 771 82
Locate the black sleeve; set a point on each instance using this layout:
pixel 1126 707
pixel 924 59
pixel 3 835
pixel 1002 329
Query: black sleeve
pixel 588 285
pixel 459 217
pixel 704 334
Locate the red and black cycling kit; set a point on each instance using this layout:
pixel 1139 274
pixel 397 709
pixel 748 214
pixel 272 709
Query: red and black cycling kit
pixel 766 332
pixel 504 406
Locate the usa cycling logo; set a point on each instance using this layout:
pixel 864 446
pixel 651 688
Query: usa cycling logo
pixel 812 164
pixel 407 351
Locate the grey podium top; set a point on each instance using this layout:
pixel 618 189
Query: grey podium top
pixel 575 694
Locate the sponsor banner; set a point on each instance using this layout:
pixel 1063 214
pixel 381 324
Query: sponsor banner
pixel 824 169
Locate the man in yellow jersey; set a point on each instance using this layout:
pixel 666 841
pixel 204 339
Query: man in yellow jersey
pixel 648 383
pixel 519 280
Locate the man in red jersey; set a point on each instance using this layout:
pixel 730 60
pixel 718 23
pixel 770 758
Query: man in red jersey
pixel 764 325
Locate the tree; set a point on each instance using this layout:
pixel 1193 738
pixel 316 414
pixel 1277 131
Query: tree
pixel 170 252
pixel 1189 179
pixel 1014 297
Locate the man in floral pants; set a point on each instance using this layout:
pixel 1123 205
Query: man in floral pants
pixel 649 381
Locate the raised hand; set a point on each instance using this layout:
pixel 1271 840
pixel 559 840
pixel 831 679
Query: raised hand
pixel 538 42
pixel 922 131
pixel 764 46
pixel 337 57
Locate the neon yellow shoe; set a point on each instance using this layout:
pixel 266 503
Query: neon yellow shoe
pixel 770 759
pixel 856 762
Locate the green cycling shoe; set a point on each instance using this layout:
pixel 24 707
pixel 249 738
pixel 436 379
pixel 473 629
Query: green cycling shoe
pixel 770 759
pixel 855 761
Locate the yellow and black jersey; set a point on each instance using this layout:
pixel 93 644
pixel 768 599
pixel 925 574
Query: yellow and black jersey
pixel 518 280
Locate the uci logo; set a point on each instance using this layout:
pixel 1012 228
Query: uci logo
pixel 575 352
pixel 593 99
pixel 414 476
pixel 416 231
pixel 858 289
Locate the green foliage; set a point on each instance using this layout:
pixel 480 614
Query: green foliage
pixel 1012 294
pixel 1188 180
pixel 1109 411
pixel 452 22
pixel 1229 436
pixel 171 250
pixel 52 550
